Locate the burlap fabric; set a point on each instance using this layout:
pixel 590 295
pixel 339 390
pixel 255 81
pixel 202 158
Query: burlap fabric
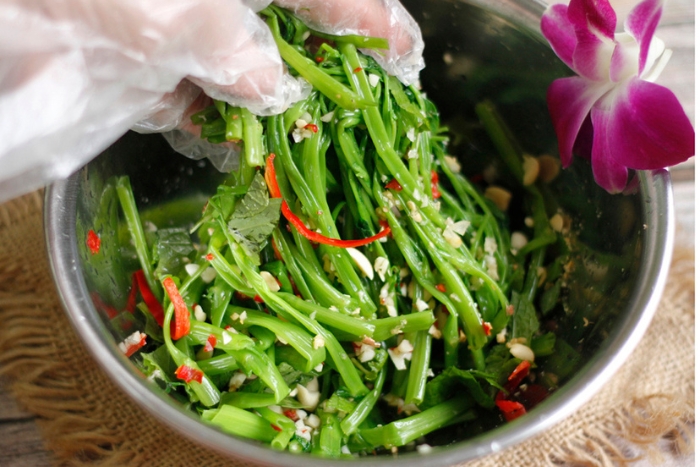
pixel 86 420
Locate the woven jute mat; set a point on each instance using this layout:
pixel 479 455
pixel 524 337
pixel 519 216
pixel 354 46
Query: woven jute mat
pixel 86 420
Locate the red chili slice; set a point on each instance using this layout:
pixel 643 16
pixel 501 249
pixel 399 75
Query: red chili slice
pixel 134 347
pixel 271 179
pixel 517 376
pixel 93 242
pixel 393 185
pixel 441 288
pixel 188 374
pixel 153 304
pixel 210 344
pixel 291 414
pixel 511 409
pixel 434 184
pixel 180 325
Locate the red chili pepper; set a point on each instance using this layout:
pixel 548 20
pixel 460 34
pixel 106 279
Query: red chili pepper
pixel 441 288
pixel 188 374
pixel 209 257
pixel 271 177
pixel 393 185
pixel 258 299
pixel 93 242
pixel 210 344
pixel 276 250
pixel 517 376
pixel 291 414
pixel 487 327
pixel 319 59
pixel 533 395
pixel 110 311
pixel 271 180
pixel 151 301
pixel 357 70
pixel 131 350
pixel 434 184
pixel 510 310
pixel 275 427
pixel 180 325
pixel 312 127
pixel 131 299
pixel 511 409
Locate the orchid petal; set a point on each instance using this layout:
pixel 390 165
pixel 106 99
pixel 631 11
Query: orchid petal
pixel 625 59
pixel 559 32
pixel 569 101
pixel 607 171
pixel 648 128
pixel 596 16
pixel 641 24
pixel 594 22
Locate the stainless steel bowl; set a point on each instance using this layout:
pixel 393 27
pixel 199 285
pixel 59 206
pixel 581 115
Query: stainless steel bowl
pixel 475 49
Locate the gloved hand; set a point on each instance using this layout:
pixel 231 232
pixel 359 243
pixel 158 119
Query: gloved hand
pixel 77 74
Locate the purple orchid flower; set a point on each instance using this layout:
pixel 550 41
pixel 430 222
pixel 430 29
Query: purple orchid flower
pixel 635 124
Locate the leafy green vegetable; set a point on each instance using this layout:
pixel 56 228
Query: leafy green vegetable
pixel 451 382
pixel 525 321
pixel 173 249
pixel 255 217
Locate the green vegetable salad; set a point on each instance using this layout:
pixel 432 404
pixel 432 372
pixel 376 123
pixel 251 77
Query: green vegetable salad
pixel 347 291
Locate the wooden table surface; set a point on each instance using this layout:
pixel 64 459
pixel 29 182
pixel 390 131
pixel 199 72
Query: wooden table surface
pixel 21 444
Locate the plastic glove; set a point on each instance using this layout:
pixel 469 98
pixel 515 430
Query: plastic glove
pixel 76 74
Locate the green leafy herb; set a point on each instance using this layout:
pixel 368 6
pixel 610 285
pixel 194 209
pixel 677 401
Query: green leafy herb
pixel 255 217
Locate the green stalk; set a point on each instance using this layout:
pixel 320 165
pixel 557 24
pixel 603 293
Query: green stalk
pixel 329 87
pixel 290 333
pixel 401 432
pixel 334 319
pixel 418 371
pixel 241 423
pixel 354 419
pixel 133 221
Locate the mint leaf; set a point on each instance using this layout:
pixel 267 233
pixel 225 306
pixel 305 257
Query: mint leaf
pixel 525 322
pixel 255 217
pixel 170 250
pixel 452 380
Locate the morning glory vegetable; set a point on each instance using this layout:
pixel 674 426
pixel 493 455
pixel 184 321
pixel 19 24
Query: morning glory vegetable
pixel 348 290
pixel 612 112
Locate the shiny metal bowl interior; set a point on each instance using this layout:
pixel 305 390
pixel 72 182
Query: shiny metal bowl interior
pixel 491 50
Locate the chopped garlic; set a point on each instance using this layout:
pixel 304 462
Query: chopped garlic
pixel 435 332
pixel 318 341
pixel 236 381
pixel 523 352
pixel 373 80
pixel 328 117
pixel 459 227
pixel 313 421
pixel 199 313
pixel 191 269
pixel 518 240
pixel 270 281
pixel 451 237
pixel 501 336
pixel 411 134
pixel 421 305
pixel 412 154
pixel 361 261
pixel 208 275
pixel 490 245
pixel 453 164
pixel 381 265
pixel 226 337
pixel 307 398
